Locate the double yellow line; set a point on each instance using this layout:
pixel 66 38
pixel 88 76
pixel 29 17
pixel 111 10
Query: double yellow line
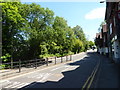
pixel 90 79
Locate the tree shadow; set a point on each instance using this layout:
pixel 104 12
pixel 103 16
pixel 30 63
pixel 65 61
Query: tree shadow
pixel 72 79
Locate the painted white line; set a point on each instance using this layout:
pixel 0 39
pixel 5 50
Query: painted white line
pixel 65 69
pixel 40 76
pixel 46 76
pixel 67 66
pixel 24 85
pixel 27 86
pixel 34 76
pixel 15 83
pixel 5 83
pixel 56 68
pixel 18 85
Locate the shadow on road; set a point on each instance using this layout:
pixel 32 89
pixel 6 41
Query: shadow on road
pixel 77 77
pixel 72 79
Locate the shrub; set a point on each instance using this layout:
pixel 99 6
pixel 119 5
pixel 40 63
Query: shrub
pixel 2 66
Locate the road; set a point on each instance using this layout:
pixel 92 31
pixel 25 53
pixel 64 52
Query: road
pixel 84 71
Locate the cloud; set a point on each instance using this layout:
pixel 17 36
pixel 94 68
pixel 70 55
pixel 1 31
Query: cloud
pixel 96 13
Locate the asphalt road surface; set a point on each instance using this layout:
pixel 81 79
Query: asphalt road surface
pixel 88 70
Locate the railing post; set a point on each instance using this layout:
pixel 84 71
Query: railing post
pixel 70 57
pixel 11 63
pixel 55 60
pixel 66 58
pixel 47 61
pixel 61 59
pixel 35 63
pixel 19 65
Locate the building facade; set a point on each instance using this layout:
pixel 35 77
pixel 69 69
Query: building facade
pixel 110 32
pixel 112 18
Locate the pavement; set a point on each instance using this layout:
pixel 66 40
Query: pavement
pixel 86 70
pixel 108 74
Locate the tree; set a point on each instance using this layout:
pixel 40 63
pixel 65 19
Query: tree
pixel 60 26
pixel 12 21
pixel 78 31
pixel 91 44
pixel 78 46
pixel 39 22
pixel 31 31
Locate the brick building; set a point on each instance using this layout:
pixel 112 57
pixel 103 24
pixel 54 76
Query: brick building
pixel 112 18
pixel 99 42
pixel 108 40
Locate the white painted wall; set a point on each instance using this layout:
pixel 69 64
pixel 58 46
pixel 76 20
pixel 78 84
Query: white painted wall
pixel 105 50
pixel 116 49
pixel 100 50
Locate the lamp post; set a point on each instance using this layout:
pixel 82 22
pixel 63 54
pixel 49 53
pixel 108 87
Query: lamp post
pixel 102 1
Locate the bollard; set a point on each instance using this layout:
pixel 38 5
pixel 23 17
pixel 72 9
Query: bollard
pixel 55 60
pixel 47 61
pixel 19 65
pixel 35 63
pixel 61 59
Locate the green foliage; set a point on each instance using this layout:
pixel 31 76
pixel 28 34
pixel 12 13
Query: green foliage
pixel 78 46
pixel 43 48
pixel 46 55
pixel 2 66
pixel 31 31
pixel 91 44
pixel 6 57
pixel 78 31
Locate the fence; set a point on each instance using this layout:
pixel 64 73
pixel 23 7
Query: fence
pixel 20 66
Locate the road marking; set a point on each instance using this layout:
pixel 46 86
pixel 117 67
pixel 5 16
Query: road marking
pixel 4 83
pixel 15 83
pixel 56 68
pixel 25 84
pixel 36 75
pixel 41 75
pixel 86 82
pixel 66 69
pixel 19 85
pixel 91 77
pixel 45 77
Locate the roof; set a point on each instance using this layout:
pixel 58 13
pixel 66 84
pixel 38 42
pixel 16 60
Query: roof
pixel 99 35
pixel 104 28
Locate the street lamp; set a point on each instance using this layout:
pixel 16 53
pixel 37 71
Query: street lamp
pixel 102 1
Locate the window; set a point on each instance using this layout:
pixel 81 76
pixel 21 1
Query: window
pixel 119 6
pixel 111 28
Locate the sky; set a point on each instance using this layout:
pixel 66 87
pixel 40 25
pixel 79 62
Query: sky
pixel 88 15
